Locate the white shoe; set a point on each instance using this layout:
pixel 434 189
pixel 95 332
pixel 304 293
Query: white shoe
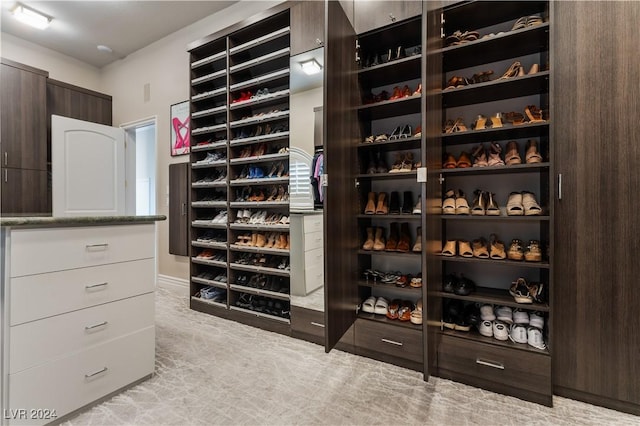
pixel 500 331
pixel 518 333
pixel 486 313
pixel 418 207
pixel 368 305
pixel 220 218
pixel 381 306
pixel 504 314
pixel 535 339
pixel 520 317
pixel 536 319
pixel 486 328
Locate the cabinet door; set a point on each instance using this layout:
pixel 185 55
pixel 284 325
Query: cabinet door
pixel 24 130
pixel 75 102
pixel 178 219
pixel 24 192
pixel 307 26
pixel 370 15
pixel 340 128
pixel 596 323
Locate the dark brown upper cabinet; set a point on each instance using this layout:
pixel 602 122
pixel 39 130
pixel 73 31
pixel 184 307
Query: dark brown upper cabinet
pixel 307 26
pixel 370 15
pixel 76 102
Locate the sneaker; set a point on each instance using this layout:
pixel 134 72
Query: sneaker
pixel 536 319
pixel 518 333
pixel 536 292
pixel 486 328
pixel 220 217
pixel 504 314
pixel 520 317
pixel 520 291
pixel 535 339
pixel 500 331
pixel 486 313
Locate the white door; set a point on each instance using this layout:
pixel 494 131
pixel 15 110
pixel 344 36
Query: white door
pixel 88 168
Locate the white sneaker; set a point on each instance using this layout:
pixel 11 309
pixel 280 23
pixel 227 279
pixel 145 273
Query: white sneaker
pixel 486 313
pixel 518 333
pixel 536 319
pixel 220 218
pixel 486 328
pixel 500 331
pixel 535 339
pixel 504 314
pixel 520 317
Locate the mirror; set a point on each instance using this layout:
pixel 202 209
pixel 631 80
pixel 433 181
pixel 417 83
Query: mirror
pixel 306 142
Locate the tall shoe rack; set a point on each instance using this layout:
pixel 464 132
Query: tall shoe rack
pixel 240 133
pixel 382 116
pixel 467 356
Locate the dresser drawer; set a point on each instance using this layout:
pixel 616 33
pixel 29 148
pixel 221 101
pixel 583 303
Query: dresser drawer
pixel 314 258
pixel 72 382
pixel 314 276
pixel 497 365
pixel 388 339
pixel 44 295
pixel 313 240
pixel 38 342
pixel 307 321
pixel 313 223
pixel 36 251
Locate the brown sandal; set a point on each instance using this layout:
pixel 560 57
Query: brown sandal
pixel 480 249
pixel 404 313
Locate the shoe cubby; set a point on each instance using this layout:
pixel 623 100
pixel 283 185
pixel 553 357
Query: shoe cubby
pixel 495 139
pixel 239 203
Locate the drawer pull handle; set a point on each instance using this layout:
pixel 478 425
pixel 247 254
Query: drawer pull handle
pixel 317 324
pixel 392 342
pixel 103 246
pixel 491 364
pixel 93 286
pixel 91 327
pixel 103 370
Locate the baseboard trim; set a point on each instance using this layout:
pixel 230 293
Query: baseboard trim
pixel 172 283
pixel 603 401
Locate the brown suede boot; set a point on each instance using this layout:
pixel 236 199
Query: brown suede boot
pixel 368 244
pixel 392 242
pixel 404 242
pixel 379 242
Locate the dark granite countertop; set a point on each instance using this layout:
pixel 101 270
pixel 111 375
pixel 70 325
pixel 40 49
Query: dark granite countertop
pixel 49 221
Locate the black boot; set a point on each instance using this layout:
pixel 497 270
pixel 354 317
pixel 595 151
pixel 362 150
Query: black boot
pixel 407 202
pixel 394 203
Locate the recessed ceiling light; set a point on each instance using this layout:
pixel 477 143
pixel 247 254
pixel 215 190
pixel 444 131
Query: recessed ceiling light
pixel 311 67
pixel 31 17
pixel 106 49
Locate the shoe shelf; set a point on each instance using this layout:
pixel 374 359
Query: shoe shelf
pixel 282 32
pixel 472 15
pixel 474 335
pixel 393 144
pixel 213 244
pixel 209 146
pixel 492 218
pixel 209 262
pixel 496 90
pixel 259 181
pixel 383 319
pixel 391 72
pixel 209 112
pixel 503 133
pixel 493 296
pixel 220 184
pixel 266 78
pixel 409 254
pixel 517 168
pixel 209 302
pixel 260 60
pixel 221 163
pixel 208 129
pixel 403 217
pixel 506 262
pixel 261 250
pixel 391 108
pixel 259 227
pixel 262 138
pixel 260 119
pixel 274 97
pixel 511 44
pixel 208 95
pixel 260 269
pixel 260 314
pixel 260 158
pixel 400 175
pixel 200 204
pixel 208 224
pixel 209 77
pixel 260 292
pixel 212 283
pixel 380 285
pixel 258 204
pixel 208 60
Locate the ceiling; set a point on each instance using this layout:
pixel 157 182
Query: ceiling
pixel 78 27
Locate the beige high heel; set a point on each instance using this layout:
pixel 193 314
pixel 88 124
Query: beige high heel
pixel 480 123
pixel 513 70
pixel 496 120
pixel 534 69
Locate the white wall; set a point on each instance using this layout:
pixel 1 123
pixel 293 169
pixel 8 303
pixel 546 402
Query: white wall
pixel 164 65
pixel 61 67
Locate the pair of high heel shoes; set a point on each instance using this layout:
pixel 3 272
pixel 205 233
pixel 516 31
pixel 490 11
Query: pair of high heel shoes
pixel 456 203
pixel 457 82
pixel 479 248
pixel 400 132
pixel 390 55
pixel 483 157
pixel 517 70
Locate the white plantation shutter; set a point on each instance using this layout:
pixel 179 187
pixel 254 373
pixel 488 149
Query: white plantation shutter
pixel 300 191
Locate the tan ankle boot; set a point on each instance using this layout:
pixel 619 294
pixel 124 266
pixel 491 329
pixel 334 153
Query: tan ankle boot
pixel 254 239
pixel 368 244
pixel 379 242
pixel 371 204
pixel 261 240
pixel 383 205
pixel 288 246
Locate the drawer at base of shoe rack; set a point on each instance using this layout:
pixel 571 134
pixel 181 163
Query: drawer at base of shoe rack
pixel 394 340
pixel 69 383
pixel 498 366
pixel 307 321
